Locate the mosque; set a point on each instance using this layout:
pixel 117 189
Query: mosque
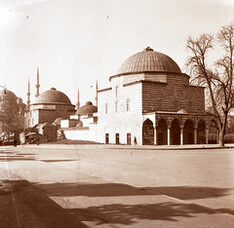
pixel 47 106
pixel 148 102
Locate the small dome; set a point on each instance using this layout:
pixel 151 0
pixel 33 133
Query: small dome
pixel 87 109
pixel 52 96
pixel 7 95
pixel 149 61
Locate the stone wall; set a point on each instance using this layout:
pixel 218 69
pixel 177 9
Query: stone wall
pixel 121 121
pixel 172 96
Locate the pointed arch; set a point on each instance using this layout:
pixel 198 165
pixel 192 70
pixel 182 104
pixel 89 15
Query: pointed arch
pixel 201 134
pixel 188 132
pixel 162 132
pixel 175 132
pixel 148 132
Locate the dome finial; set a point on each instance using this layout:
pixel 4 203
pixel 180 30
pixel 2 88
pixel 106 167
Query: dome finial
pixel 148 49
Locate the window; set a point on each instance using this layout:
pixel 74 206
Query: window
pixel 117 138
pixel 116 106
pixel 107 138
pixel 129 138
pixel 116 91
pixel 106 108
pixel 128 105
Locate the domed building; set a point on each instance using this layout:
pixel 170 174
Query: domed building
pixel 150 101
pixel 12 111
pixel 48 106
pixel 87 110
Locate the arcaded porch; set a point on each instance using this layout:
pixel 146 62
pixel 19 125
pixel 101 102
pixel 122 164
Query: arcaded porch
pixel 167 128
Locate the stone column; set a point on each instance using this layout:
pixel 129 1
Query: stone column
pixel 168 136
pixel 195 135
pixel 169 131
pixel 207 135
pixel 181 135
pixel 155 135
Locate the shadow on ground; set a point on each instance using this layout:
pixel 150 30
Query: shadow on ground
pixel 128 214
pixel 15 158
pixel 61 160
pixel 23 205
pixel 118 189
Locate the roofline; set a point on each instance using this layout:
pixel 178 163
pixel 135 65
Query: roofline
pixel 103 90
pixel 202 87
pixel 175 113
pixel 54 103
pixel 143 81
pixel 144 72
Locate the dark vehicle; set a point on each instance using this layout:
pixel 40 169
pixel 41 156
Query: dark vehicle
pixel 9 139
pixel 8 142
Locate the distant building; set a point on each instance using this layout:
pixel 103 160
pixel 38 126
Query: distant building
pixel 47 107
pixel 12 111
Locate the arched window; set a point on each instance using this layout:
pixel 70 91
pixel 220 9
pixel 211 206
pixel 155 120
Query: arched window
pixel 106 108
pixel 128 107
pixel 160 104
pixel 116 106
pixel 116 91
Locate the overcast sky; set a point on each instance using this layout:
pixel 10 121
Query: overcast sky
pixel 75 42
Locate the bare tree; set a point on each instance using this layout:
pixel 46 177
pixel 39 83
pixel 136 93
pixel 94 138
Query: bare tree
pixel 217 79
pixel 9 115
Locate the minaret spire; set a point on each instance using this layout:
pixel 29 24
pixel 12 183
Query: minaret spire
pixel 78 100
pixel 28 94
pixel 37 85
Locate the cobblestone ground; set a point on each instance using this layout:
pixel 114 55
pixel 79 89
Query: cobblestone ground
pixel 110 186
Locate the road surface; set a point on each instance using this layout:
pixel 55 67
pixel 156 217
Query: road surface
pixel 111 186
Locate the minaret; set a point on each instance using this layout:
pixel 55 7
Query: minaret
pixel 28 94
pixel 78 100
pixel 37 85
pixel 96 98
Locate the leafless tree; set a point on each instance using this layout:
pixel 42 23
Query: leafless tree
pixel 218 78
pixel 9 116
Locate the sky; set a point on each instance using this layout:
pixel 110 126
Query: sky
pixel 74 42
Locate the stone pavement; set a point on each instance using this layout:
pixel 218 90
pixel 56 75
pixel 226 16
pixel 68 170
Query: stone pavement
pixel 116 186
pixel 136 147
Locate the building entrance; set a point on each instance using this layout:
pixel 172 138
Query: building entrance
pixel 188 132
pixel 148 132
pixel 175 132
pixel 201 133
pixel 162 132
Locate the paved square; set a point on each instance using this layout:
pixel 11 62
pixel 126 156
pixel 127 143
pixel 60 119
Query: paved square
pixel 116 186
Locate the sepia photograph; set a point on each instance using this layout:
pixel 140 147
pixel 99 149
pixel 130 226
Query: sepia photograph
pixel 116 113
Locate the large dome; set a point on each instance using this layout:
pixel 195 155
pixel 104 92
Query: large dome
pixel 52 96
pixel 149 61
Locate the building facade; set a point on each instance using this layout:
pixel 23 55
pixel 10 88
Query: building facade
pixel 150 101
pixel 47 107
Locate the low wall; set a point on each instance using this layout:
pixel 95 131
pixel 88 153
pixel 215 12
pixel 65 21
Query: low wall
pixel 79 134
